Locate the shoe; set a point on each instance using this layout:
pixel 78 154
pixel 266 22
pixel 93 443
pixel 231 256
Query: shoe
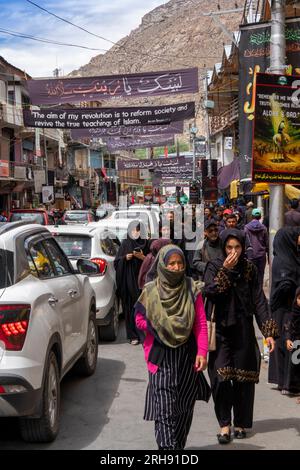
pixel 223 438
pixel 134 342
pixel 240 434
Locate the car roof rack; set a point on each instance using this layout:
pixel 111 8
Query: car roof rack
pixel 11 225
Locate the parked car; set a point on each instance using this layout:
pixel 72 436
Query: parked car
pixel 79 217
pixel 149 218
pixel 47 325
pixel 99 245
pixel 118 227
pixel 38 216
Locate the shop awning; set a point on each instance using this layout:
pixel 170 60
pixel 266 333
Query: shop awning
pixel 228 173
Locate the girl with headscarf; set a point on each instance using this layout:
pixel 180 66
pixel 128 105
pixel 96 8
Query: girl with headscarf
pixel 285 280
pixel 127 264
pixel 172 323
pixel 234 292
pixel 155 246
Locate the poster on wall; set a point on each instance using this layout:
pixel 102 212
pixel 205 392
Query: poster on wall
pixel 254 57
pixel 276 137
pixel 48 194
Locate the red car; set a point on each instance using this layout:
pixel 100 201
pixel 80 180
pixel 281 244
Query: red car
pixel 38 216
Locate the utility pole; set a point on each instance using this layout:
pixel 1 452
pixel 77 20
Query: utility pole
pixel 277 65
pixel 207 125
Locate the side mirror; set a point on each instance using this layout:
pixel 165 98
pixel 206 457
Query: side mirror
pixel 87 267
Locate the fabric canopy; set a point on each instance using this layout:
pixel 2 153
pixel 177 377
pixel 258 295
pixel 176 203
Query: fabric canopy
pixel 228 173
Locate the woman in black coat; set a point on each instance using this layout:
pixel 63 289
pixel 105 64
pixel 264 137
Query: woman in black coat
pixel 234 292
pixel 285 280
pixel 128 261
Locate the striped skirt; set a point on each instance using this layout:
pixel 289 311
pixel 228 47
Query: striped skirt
pixel 171 396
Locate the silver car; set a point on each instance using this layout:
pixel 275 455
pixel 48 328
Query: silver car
pixel 100 246
pixel 47 325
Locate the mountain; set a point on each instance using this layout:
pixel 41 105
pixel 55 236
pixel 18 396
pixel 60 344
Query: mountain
pixel 172 36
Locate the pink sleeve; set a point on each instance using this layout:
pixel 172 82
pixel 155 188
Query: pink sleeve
pixel 200 327
pixel 140 322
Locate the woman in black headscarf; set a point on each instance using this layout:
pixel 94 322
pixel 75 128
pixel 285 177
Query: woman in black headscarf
pixel 285 280
pixel 234 292
pixel 292 343
pixel 128 261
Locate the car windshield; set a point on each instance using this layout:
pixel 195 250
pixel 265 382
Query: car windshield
pixel 75 246
pixel 6 267
pixel 35 217
pixel 76 216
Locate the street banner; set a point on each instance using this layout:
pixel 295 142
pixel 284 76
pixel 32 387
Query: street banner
pixel 88 118
pixel 127 143
pixel 276 142
pixel 125 131
pixel 72 90
pixel 254 57
pixel 152 164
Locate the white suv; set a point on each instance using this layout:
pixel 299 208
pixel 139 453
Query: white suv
pixel 47 325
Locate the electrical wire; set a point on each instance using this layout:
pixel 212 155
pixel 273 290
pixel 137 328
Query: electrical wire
pixel 70 22
pixel 47 41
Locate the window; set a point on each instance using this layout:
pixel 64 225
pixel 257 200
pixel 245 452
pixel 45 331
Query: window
pixel 40 261
pixel 6 268
pixel 107 245
pixel 75 246
pixel 59 260
pixel 11 97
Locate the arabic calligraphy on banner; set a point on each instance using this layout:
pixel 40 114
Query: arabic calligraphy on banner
pixel 92 118
pixel 72 90
pixel 118 143
pixel 173 128
pixel 254 57
pixel 151 164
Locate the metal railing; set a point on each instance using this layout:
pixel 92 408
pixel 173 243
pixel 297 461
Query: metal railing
pixel 20 171
pixel 226 119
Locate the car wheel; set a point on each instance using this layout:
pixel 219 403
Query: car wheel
pixel 45 428
pixel 87 364
pixel 110 331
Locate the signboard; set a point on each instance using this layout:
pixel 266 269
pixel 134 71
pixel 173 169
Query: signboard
pixel 39 180
pixel 72 90
pixel 228 141
pixel 4 168
pixel 20 172
pixel 127 143
pixel 48 194
pixel 194 194
pixel 87 118
pixel 125 131
pixel 153 164
pixel 276 142
pixel 254 57
pixel 145 174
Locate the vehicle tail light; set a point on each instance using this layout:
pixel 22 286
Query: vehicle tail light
pixel 14 320
pixel 102 265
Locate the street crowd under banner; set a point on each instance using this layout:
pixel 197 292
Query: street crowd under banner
pixel 124 131
pixel 276 143
pixel 88 118
pixel 72 90
pixel 127 143
pixel 254 57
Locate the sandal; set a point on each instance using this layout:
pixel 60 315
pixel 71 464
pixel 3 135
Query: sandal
pixel 240 433
pixel 134 342
pixel 224 438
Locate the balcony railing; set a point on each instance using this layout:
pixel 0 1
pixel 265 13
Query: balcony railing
pixel 17 171
pixel 226 119
pixel 11 115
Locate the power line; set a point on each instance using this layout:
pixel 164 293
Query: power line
pixel 47 41
pixel 70 22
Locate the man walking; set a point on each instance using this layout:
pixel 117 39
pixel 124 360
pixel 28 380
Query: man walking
pixel 209 249
pixel 259 240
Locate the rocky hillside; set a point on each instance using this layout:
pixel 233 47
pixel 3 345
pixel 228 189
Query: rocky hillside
pixel 173 35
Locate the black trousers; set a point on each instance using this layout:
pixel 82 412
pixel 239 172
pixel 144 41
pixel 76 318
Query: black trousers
pixel 237 398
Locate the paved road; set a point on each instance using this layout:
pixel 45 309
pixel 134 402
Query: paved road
pixel 105 411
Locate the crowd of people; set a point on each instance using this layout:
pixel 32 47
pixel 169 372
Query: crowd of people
pixel 170 294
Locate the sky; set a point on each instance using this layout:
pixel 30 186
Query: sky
pixel 111 19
